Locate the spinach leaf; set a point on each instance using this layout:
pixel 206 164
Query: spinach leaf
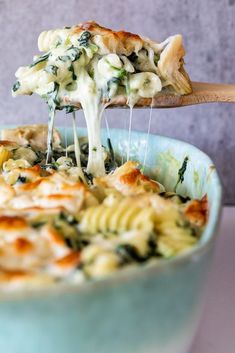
pixel 71 69
pixel 112 163
pixel 181 172
pixel 72 54
pixel 37 225
pixel 84 39
pixel 133 57
pixel 16 86
pixel 40 59
pixel 128 253
pixel 69 109
pixel 21 179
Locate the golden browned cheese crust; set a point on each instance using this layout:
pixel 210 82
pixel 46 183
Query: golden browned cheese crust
pixel 197 211
pixel 119 42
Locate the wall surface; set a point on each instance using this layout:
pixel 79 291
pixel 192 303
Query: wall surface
pixel 208 27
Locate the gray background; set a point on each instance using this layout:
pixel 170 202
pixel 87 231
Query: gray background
pixel 208 27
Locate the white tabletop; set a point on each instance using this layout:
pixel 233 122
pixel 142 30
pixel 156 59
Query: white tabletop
pixel 216 333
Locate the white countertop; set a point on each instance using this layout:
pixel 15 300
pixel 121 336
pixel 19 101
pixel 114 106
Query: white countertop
pixel 216 332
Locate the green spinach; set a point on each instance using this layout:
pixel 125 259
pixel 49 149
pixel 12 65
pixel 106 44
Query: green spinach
pixel 84 39
pixel 16 86
pixel 181 172
pixel 40 59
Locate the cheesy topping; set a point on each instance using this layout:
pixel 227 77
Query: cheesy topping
pixel 89 65
pixel 56 225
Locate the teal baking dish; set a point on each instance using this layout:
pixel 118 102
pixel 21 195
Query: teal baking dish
pixel 147 309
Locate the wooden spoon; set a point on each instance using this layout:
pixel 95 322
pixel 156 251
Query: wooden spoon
pixel 202 93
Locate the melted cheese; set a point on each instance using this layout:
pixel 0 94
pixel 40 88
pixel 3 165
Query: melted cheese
pixel 88 65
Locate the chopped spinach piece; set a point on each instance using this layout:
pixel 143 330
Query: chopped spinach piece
pixel 84 39
pixel 182 171
pixel 52 69
pixel 152 246
pixel 128 253
pixel 89 177
pixel 21 179
pixel 37 225
pixel 133 57
pixel 112 156
pixel 68 218
pixel 69 109
pixel 71 69
pixel 72 54
pixel 16 86
pixel 40 59
pixel 94 149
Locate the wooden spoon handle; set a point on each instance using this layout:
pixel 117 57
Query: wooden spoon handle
pixel 209 93
pixel 202 93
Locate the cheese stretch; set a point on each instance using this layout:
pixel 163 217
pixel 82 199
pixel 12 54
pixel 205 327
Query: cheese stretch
pixel 88 65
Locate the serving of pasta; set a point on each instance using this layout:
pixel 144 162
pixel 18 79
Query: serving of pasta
pixel 57 223
pixel 73 213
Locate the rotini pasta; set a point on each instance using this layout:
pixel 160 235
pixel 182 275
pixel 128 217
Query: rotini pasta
pixel 116 219
pixel 49 39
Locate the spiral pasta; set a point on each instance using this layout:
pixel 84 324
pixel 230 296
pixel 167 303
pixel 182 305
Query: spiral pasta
pixel 175 235
pixel 49 39
pixel 116 219
pixel 177 242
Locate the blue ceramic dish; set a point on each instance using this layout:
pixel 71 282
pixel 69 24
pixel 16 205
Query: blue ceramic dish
pixel 147 309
